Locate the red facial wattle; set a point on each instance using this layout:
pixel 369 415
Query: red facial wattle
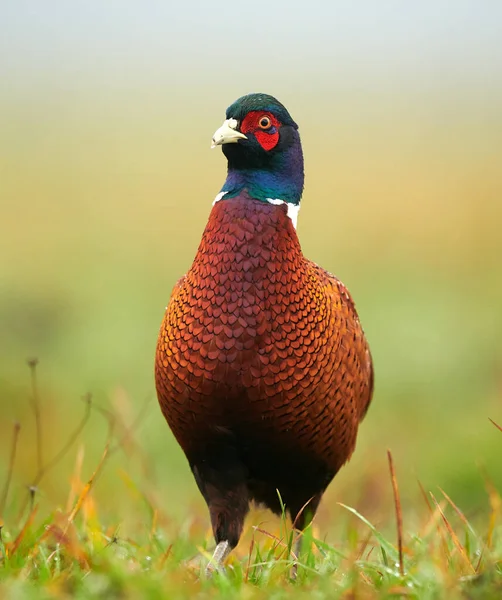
pixel 267 138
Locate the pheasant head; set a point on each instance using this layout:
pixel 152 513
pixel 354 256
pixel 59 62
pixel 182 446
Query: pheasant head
pixel 262 145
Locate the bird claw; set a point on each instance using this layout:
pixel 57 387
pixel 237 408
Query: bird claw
pixel 212 568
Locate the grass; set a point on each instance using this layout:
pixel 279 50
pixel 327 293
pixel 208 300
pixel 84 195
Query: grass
pixel 80 551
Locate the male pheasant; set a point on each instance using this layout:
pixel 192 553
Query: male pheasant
pixel 262 368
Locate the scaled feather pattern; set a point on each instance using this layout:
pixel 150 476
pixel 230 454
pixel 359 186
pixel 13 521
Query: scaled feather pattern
pixel 262 368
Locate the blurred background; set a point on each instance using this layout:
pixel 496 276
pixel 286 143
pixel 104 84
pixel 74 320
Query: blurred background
pixel 106 181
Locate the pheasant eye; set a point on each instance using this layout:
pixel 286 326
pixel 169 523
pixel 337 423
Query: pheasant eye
pixel 265 123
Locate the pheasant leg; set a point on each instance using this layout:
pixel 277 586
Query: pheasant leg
pixel 221 552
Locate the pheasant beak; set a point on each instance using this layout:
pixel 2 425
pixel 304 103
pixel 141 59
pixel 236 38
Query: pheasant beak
pixel 227 134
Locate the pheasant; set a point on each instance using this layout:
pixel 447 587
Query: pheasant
pixel 262 369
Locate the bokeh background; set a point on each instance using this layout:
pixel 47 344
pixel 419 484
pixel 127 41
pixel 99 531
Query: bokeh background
pixel 106 181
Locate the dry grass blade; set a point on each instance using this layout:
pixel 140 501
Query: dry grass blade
pixel 248 566
pixel 75 479
pixel 153 527
pixel 300 512
pixel 69 542
pixel 10 470
pixel 461 515
pixel 128 431
pixel 35 403
pixel 54 461
pixel 399 513
pixel 17 542
pixel 496 424
pixel 495 502
pixel 278 541
pixel 464 520
pixel 165 556
pixel 426 499
pixel 433 521
pixel 495 505
pixel 399 591
pixel 364 545
pixel 87 488
pixel 69 443
pixel 453 536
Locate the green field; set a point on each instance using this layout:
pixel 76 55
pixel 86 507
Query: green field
pixel 103 203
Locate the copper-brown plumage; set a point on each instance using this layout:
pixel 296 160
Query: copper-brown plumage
pixel 262 370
